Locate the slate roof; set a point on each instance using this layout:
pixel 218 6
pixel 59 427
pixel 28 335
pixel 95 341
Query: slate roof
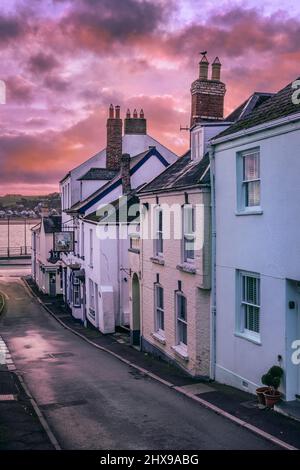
pixel 248 106
pixel 52 223
pixel 135 163
pixel 183 173
pixel 278 106
pixel 98 174
pixel 106 216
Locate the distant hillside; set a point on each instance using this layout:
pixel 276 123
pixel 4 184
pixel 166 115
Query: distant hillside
pixel 14 201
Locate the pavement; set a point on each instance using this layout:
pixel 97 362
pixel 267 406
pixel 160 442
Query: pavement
pixel 99 393
pixel 20 426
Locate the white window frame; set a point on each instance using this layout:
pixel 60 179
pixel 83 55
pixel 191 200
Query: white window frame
pixel 91 248
pixel 92 296
pixel 159 311
pixel 197 146
pixel 82 240
pixel 76 292
pixel 188 236
pixel 244 183
pixel 159 238
pixel 243 305
pixel 180 321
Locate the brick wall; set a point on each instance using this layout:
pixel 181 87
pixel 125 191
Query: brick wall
pixel 114 143
pixel 195 287
pixel 207 100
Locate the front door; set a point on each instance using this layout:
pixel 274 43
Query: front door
pixel 136 320
pixel 293 341
pixel 52 284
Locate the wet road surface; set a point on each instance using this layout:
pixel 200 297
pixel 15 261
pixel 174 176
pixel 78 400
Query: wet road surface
pixel 93 401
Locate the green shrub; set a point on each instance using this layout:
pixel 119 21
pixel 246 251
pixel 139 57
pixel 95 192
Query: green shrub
pixel 273 377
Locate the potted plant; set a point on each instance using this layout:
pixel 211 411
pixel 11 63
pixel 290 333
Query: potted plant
pixel 272 380
pixel 260 395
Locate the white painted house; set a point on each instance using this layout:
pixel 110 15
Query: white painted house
pixel 94 288
pixel 45 268
pixel 255 169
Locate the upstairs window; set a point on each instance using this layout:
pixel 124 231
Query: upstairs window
pixel 91 248
pixel 159 243
pixel 249 180
pixel 188 233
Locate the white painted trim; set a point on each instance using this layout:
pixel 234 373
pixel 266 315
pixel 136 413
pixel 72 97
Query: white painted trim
pixel 258 128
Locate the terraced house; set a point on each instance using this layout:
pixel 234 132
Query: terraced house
pixel 94 285
pixel 255 178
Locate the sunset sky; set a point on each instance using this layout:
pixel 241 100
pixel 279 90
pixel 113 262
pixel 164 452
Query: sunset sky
pixel 65 61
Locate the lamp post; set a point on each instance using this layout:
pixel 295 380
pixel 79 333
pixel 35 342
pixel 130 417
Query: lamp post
pixel 25 236
pixel 8 235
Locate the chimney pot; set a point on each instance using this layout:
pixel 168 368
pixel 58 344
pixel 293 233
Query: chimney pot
pixel 142 114
pixel 216 69
pixel 203 68
pixel 135 114
pixel 128 113
pixel 111 112
pixel 117 112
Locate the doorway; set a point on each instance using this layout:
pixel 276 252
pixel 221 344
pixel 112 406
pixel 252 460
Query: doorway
pixel 135 332
pixel 293 340
pixel 52 284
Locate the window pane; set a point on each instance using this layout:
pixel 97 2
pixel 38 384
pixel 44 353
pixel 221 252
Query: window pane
pixel 252 290
pixel 160 320
pixel 252 318
pixel 181 306
pixel 251 166
pixel 160 297
pixel 182 333
pixel 252 193
pixel 160 221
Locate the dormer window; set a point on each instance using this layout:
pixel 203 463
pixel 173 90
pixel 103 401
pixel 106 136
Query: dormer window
pixel 197 144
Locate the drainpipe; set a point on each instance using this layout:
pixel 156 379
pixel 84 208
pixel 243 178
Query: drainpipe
pixel 119 261
pixel 213 309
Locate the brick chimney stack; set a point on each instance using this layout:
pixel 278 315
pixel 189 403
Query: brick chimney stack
pixel 208 94
pixel 135 124
pixel 125 173
pixel 114 139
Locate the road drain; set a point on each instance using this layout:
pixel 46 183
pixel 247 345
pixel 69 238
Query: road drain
pixel 56 406
pixel 62 354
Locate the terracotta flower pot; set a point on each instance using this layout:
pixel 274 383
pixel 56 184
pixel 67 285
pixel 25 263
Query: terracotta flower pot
pixel 272 398
pixel 260 394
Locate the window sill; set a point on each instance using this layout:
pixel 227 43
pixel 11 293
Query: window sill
pixel 157 260
pixel 159 337
pixel 257 211
pixel 181 352
pixel 134 250
pixel 187 268
pixel 248 338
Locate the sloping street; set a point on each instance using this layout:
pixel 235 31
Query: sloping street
pixel 93 401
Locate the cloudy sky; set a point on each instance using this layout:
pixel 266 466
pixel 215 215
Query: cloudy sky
pixel 65 61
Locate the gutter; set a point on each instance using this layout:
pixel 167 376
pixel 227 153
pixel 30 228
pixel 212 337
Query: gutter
pixel 213 308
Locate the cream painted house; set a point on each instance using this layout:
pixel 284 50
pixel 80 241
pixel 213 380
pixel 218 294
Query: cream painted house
pixel 174 270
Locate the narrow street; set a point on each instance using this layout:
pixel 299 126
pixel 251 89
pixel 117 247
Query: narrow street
pixel 93 401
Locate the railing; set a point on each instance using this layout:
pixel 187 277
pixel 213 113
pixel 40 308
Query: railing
pixel 15 252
